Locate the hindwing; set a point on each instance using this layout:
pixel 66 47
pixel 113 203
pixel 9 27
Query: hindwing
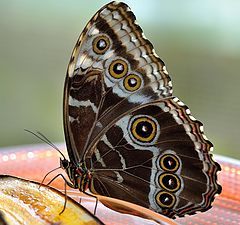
pixel 156 156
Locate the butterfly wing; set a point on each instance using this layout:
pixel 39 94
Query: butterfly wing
pixel 113 68
pixel 157 156
pixel 117 90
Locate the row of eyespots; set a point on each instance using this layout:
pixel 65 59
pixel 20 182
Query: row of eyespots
pixel 169 181
pixel 118 68
pixel 144 129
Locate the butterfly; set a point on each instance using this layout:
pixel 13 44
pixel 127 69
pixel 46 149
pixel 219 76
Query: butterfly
pixel 127 136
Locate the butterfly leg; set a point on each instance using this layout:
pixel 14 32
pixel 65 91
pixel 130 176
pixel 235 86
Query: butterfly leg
pixel 65 188
pixel 65 194
pixel 93 196
pixel 47 175
pixel 64 178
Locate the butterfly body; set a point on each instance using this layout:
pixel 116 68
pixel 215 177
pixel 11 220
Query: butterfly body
pixel 127 137
pixel 79 175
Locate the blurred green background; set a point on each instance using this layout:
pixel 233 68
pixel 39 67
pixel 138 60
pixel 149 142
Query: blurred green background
pixel 198 40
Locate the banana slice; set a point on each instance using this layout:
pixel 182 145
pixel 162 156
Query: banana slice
pixel 22 202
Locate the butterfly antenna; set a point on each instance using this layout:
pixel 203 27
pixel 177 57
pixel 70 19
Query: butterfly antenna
pixel 43 138
pixel 50 143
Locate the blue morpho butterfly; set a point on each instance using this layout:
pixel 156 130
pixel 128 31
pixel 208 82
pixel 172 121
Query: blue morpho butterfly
pixel 127 137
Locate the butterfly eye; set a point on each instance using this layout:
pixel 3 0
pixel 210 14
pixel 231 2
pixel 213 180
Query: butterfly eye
pixel 101 44
pixel 132 82
pixel 144 129
pixel 169 162
pixel 170 182
pixel 165 199
pixel 118 68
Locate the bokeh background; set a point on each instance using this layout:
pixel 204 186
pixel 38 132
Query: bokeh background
pixel 198 40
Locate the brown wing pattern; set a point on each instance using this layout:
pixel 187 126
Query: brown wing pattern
pixel 171 173
pixel 113 68
pixel 139 143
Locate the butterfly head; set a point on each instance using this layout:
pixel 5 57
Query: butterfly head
pixel 64 163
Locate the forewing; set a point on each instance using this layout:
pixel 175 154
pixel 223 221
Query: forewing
pixel 113 68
